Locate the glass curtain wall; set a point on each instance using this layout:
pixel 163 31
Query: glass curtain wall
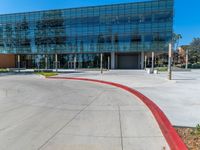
pixel 130 27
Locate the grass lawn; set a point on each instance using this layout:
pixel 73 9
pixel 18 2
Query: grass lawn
pixel 162 69
pixel 47 74
pixel 3 70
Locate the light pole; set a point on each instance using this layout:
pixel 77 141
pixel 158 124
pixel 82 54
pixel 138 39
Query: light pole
pixel 101 63
pixel 18 62
pixel 170 62
pixel 46 62
pixel 186 63
pixel 152 64
pixel 56 62
pixel 75 62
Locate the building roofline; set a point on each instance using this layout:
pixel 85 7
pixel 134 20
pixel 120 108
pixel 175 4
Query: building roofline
pixel 84 7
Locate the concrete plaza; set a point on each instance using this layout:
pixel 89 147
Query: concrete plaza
pixel 178 98
pixel 46 114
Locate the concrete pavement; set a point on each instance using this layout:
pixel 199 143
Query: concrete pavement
pixel 179 98
pixel 38 113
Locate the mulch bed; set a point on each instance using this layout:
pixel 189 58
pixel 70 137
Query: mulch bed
pixel 189 138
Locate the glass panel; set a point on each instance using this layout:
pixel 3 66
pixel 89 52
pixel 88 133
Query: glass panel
pixel 122 28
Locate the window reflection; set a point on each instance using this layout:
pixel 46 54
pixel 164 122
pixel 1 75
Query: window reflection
pixel 123 27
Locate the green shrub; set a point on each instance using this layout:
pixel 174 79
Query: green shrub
pixel 192 66
pixel 4 70
pixel 196 131
pixel 196 66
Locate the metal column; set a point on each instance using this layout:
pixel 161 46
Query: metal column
pixel 170 62
pixel 142 60
pixel 112 60
pixel 18 62
pixel 186 59
pixel 75 62
pixel 152 61
pixel 101 63
pixel 56 62
pixel 145 62
pixel 46 62
pixel 108 63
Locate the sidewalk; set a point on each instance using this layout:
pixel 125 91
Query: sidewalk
pixel 177 98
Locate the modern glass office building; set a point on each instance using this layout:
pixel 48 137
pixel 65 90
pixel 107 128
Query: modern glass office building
pixel 77 37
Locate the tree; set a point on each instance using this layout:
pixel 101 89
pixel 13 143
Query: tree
pixel 182 54
pixel 176 40
pixel 194 48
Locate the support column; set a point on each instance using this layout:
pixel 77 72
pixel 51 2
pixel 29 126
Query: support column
pixel 113 60
pixel 148 62
pixel 142 60
pixel 101 63
pixel 145 62
pixel 152 61
pixel 18 62
pixel 108 63
pixel 56 62
pixel 186 59
pixel 75 62
pixel 46 62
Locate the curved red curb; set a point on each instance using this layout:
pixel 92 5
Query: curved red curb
pixel 170 134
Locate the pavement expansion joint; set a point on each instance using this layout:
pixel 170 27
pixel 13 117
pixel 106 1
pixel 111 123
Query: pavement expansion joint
pixel 120 123
pixel 66 124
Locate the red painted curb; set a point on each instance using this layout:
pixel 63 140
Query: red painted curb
pixel 170 134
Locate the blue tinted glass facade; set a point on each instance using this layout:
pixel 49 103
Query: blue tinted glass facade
pixel 131 27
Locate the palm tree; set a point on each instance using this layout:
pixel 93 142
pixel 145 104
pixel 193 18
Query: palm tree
pixel 176 40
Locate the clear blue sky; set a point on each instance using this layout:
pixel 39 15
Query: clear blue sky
pixel 187 12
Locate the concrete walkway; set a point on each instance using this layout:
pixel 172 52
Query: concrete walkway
pixel 179 98
pixel 43 114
